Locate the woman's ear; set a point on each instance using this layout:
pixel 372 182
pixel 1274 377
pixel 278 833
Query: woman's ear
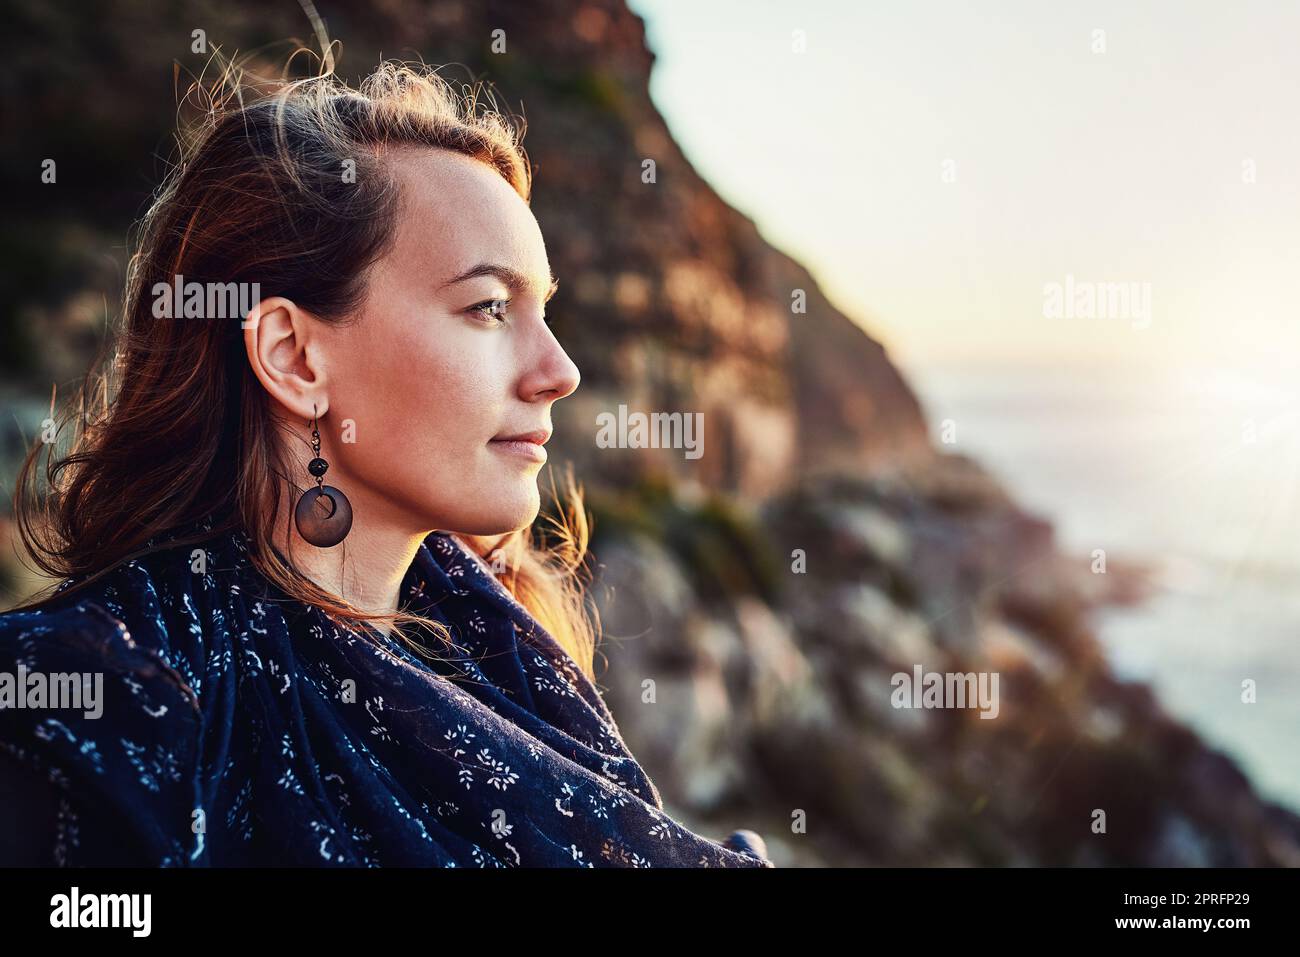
pixel 286 357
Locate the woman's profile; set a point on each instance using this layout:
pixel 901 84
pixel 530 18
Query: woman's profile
pixel 301 617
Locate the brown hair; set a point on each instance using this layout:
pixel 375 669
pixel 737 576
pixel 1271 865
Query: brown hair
pixel 181 428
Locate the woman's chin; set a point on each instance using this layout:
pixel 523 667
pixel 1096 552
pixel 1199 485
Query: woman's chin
pixel 503 516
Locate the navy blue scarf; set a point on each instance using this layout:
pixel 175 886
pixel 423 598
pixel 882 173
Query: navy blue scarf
pixel 242 727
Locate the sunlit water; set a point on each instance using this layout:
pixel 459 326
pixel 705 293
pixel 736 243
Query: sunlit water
pixel 1197 471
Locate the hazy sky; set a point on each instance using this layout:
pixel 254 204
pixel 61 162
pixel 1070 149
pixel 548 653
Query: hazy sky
pixel 1127 165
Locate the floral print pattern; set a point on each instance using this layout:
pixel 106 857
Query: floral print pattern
pixel 242 727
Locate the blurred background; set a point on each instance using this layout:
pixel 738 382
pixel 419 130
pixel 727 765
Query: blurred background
pixel 850 260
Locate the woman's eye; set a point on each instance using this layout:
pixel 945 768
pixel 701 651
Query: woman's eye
pixel 491 309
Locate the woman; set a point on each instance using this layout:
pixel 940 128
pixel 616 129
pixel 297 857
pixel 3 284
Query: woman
pixel 277 639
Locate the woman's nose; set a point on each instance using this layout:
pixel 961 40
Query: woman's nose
pixel 555 376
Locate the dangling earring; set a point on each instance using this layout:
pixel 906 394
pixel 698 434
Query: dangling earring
pixel 324 514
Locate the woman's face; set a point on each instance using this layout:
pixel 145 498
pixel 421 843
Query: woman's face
pixel 440 367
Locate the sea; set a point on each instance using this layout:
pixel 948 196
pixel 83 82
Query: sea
pixel 1195 470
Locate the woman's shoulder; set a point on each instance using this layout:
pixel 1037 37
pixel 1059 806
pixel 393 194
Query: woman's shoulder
pixel 93 658
pixel 147 620
pixel 99 727
pixel 99 710
pixel 155 614
pixel 43 651
pixel 100 697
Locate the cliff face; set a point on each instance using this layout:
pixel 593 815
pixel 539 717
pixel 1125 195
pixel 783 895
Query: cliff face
pixel 759 693
pixel 771 705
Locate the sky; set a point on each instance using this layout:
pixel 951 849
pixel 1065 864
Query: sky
pixel 939 167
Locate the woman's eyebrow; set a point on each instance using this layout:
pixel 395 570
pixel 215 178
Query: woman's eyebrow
pixel 515 281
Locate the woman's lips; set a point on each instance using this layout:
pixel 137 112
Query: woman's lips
pixel 530 450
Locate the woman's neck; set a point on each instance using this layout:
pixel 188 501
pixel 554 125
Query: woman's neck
pixel 366 568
